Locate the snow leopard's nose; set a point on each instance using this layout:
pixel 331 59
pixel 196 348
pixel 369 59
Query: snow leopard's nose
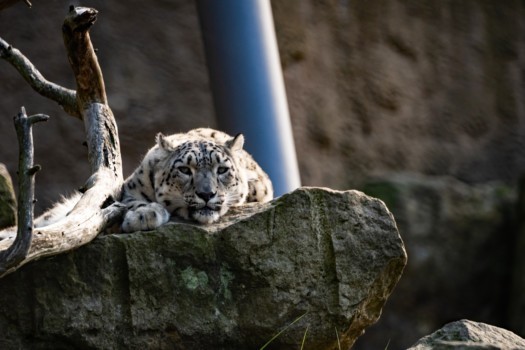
pixel 206 196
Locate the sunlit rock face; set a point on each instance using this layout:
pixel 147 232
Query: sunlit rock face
pixel 314 259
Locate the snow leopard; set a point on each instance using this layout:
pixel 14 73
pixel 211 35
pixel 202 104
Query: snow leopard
pixel 197 176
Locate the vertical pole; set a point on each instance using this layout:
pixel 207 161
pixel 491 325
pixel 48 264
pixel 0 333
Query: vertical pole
pixel 247 83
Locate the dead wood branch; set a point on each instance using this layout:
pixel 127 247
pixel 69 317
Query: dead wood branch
pixel 92 213
pixel 26 191
pixel 101 129
pixel 90 84
pixel 64 97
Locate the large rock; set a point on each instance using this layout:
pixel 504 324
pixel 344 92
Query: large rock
pixel 460 241
pixel 7 199
pixel 326 259
pixel 470 335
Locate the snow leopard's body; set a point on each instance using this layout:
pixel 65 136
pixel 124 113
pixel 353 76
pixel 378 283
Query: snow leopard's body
pixel 196 176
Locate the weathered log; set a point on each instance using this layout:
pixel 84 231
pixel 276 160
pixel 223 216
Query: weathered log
pixel 92 213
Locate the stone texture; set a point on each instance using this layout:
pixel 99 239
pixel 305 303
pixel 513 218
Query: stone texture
pixel 7 199
pixel 333 257
pixel 470 335
pixel 423 86
pixel 460 242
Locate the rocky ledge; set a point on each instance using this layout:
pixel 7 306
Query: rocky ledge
pixel 316 264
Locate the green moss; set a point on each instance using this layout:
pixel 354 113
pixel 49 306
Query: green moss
pixel 225 278
pixel 387 192
pixel 194 279
pixel 503 191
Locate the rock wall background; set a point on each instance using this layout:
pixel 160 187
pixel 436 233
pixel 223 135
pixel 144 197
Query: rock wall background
pixel 375 88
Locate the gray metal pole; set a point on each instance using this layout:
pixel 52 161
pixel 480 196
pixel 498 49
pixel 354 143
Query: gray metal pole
pixel 247 83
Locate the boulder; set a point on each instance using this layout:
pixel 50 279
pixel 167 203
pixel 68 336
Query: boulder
pixel 466 334
pixel 314 264
pixel 7 199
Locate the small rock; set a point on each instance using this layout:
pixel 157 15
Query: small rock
pixel 466 334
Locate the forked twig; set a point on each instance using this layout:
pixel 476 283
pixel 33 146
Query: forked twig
pixel 26 190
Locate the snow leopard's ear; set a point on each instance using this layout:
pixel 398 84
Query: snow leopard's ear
pixel 235 143
pixel 162 142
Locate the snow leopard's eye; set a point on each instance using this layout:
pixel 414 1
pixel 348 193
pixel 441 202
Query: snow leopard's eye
pixel 185 170
pixel 222 170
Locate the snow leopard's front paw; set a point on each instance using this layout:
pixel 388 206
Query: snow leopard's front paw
pixel 144 218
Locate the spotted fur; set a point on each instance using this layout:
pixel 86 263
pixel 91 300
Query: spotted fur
pixel 196 176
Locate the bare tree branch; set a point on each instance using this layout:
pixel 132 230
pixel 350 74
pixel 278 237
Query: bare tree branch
pixel 92 213
pixel 26 191
pixel 64 97
pixel 101 129
pixel 90 84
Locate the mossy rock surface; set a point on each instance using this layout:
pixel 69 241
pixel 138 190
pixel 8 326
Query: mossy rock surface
pixel 331 257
